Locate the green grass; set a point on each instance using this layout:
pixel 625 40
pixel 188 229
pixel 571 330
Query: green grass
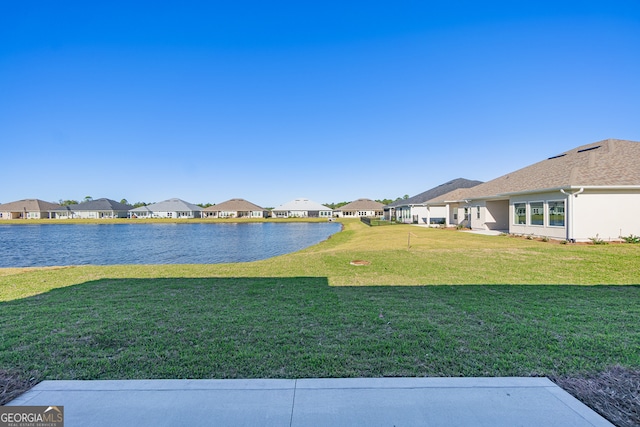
pixel 301 327
pixel 292 316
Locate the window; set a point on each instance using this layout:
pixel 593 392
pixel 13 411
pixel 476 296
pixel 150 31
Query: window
pixel 556 214
pixel 519 213
pixel 455 216
pixel 536 213
pixel 477 212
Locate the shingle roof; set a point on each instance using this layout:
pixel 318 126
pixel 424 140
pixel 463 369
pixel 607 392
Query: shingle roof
pixel 455 195
pixel 611 162
pixel 28 205
pixel 98 205
pixel 361 205
pixel 171 205
pixel 302 205
pixel 436 192
pixel 234 205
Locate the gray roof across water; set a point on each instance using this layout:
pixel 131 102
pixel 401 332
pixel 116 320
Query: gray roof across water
pixel 171 205
pixel 96 205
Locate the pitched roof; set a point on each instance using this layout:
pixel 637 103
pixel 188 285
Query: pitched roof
pixel 451 196
pixel 28 205
pixel 611 162
pixel 171 205
pixel 234 205
pixel 302 205
pixel 436 192
pixel 362 205
pixel 98 205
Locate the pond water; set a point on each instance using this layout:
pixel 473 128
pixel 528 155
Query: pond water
pixel 110 244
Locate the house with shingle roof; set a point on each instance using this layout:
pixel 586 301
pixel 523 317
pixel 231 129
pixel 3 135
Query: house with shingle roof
pixel 415 209
pixel 452 206
pixel 235 208
pixel 93 209
pixel 302 208
pixel 27 209
pixel 171 208
pixel 589 191
pixel 360 208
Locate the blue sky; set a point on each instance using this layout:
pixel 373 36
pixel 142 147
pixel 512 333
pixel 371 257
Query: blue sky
pixel 328 100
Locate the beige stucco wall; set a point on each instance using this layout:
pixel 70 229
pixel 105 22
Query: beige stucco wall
pixel 496 215
pixel 553 232
pixel 607 214
pixel 436 212
pixel 477 223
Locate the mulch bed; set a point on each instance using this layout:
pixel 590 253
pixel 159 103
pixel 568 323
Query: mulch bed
pixel 12 385
pixel 614 394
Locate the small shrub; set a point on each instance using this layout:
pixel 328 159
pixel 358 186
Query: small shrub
pixel 631 239
pixel 564 242
pixel 597 240
pixel 545 239
pixel 529 236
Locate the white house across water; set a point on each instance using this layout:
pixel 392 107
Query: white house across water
pixel 302 208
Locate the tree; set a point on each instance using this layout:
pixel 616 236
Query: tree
pixel 205 205
pixel 88 198
pixel 385 201
pixel 124 201
pixel 67 202
pixel 335 205
pixel 139 204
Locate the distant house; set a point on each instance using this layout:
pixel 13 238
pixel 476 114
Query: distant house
pixel 27 209
pixel 302 208
pixel 360 208
pixel 415 209
pixel 93 209
pixel 452 205
pixel 235 208
pixel 172 208
pixel 592 191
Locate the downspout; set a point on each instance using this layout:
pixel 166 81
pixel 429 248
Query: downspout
pixel 570 236
pixel 467 218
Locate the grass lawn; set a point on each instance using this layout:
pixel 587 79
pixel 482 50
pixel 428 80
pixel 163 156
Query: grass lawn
pixel 297 316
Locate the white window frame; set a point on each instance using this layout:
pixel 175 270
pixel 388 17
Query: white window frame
pixel 530 213
pixel 564 205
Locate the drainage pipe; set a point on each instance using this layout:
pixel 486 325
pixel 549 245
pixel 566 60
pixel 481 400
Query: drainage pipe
pixel 570 236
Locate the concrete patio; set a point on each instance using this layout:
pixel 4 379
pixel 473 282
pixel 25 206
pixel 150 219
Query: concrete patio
pixel 448 402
